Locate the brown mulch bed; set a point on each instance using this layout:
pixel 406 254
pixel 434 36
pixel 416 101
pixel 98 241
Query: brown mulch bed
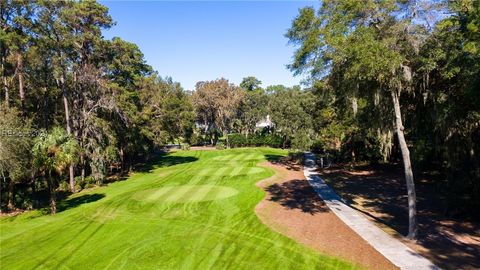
pixel 12 213
pixel 292 207
pixel 380 193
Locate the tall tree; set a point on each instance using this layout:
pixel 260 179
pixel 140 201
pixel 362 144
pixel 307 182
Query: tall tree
pixel 216 103
pixel 15 146
pixel 167 109
pixel 250 83
pixel 54 152
pixel 253 109
pixel 371 42
pixel 290 110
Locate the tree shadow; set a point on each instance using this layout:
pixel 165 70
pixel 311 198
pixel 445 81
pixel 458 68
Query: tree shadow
pixel 297 194
pixel 290 162
pixel 162 160
pixel 76 201
pixel 273 158
pixel 380 192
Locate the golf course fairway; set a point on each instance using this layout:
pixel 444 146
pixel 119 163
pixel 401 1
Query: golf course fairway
pixel 187 210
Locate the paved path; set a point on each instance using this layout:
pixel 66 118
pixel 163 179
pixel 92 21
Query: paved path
pixel 394 250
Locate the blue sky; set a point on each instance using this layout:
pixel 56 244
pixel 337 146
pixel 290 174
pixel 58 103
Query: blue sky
pixel 195 41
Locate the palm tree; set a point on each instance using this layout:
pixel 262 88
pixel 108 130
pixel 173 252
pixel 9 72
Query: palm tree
pixel 54 152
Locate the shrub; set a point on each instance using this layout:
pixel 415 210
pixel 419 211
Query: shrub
pixel 317 146
pixel 220 146
pixel 237 140
pixel 185 146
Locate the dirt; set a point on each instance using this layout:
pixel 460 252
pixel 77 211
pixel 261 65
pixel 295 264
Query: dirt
pixel 379 192
pixel 291 207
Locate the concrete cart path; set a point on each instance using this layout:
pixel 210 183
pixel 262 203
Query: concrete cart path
pixel 394 250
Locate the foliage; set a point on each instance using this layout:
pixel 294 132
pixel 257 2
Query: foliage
pixel 216 103
pixel 220 146
pixel 253 109
pixel 250 83
pixel 53 153
pixel 290 110
pixel 167 110
pixel 15 146
pixel 361 58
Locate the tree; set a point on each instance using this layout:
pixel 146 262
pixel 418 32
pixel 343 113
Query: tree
pixel 369 44
pixel 250 83
pixel 447 116
pixel 54 152
pixel 290 110
pixel 15 146
pixel 253 108
pixel 216 103
pixel 167 109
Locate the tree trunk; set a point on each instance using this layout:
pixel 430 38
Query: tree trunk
pixel 10 205
pixel 412 200
pixel 4 79
pixel 45 108
pixel 122 159
pixel 82 163
pixel 53 195
pixel 67 122
pixel 4 179
pixel 34 192
pixel 225 133
pixel 20 81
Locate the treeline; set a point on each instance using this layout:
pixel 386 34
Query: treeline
pixel 398 80
pixel 249 115
pixel 78 109
pixel 75 105
pixel 385 84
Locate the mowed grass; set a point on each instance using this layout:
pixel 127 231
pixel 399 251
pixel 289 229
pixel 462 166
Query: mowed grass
pixel 188 210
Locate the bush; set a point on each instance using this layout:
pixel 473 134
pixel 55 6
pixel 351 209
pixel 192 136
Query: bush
pixel 64 185
pixel 196 139
pixel 237 140
pixel 301 141
pixel 88 183
pixel 317 146
pixel 361 146
pixel 185 146
pixel 220 146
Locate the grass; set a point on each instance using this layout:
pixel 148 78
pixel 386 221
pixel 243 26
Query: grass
pixel 187 210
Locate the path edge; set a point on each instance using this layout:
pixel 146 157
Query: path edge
pixel 405 258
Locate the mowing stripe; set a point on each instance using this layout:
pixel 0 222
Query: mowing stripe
pixel 202 193
pixel 180 194
pixel 236 171
pixel 238 157
pixel 201 174
pixel 159 193
pixel 249 157
pixel 186 192
pixel 165 195
pixel 221 171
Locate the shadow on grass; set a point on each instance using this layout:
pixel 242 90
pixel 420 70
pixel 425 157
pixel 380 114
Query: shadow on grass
pixel 291 162
pixel 76 201
pixel 273 158
pixel 162 160
pixel 297 194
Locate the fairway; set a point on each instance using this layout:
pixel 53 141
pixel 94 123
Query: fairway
pixel 188 210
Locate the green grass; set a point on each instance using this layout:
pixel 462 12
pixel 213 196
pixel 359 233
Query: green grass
pixel 189 210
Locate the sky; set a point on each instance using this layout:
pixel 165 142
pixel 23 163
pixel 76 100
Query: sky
pixel 200 40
